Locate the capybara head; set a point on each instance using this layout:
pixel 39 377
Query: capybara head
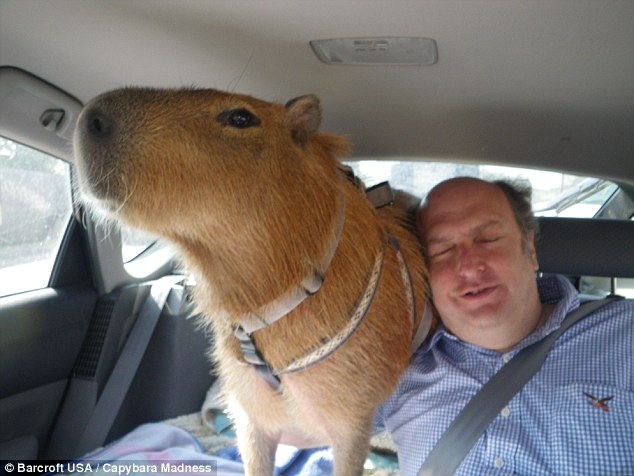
pixel 221 175
pixel 142 153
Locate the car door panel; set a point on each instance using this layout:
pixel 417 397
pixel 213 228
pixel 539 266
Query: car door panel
pixel 41 334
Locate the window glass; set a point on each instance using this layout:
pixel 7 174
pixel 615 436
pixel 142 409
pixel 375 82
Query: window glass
pixel 35 210
pixel 600 286
pixel 134 243
pixel 554 194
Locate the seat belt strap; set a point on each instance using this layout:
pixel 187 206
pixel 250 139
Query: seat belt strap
pixel 477 415
pixel 125 369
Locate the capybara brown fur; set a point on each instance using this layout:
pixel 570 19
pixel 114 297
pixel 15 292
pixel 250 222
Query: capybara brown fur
pixel 254 199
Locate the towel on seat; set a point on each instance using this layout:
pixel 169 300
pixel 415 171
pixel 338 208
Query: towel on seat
pixel 159 448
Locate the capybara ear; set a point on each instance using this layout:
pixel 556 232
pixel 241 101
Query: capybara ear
pixel 304 116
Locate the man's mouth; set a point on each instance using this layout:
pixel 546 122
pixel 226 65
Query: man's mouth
pixel 479 292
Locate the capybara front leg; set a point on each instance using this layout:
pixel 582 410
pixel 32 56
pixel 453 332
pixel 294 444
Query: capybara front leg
pixel 350 454
pixel 257 449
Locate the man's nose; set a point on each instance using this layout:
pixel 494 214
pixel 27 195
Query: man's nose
pixel 470 262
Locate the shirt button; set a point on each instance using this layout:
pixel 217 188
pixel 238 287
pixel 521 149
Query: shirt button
pixel 506 358
pixel 498 463
pixel 506 411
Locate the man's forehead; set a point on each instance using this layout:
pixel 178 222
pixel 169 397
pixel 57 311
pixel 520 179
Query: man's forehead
pixel 448 231
pixel 456 196
pixel 462 187
pixel 468 205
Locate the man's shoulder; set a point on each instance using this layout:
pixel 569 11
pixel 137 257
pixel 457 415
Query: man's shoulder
pixel 610 327
pixel 616 307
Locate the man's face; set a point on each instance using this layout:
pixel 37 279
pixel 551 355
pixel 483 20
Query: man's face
pixel 482 274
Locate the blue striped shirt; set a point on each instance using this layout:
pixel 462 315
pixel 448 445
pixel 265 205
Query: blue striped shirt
pixel 551 426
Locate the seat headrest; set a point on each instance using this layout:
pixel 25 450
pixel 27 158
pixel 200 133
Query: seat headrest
pixel 586 247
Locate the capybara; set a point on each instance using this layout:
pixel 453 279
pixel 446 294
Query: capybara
pixel 260 209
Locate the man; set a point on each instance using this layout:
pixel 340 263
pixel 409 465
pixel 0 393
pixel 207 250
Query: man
pixel 576 415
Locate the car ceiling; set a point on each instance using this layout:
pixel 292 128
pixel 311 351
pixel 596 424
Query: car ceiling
pixel 546 84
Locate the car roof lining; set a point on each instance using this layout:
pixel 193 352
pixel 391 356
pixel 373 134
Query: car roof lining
pixel 542 84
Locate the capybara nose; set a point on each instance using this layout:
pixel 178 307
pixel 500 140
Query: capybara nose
pixel 97 124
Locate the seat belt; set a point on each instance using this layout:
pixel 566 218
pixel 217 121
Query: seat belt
pixel 116 388
pixel 477 415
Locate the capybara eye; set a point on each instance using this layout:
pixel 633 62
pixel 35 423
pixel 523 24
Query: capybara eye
pixel 239 118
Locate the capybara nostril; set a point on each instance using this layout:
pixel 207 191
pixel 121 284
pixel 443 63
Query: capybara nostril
pixel 98 124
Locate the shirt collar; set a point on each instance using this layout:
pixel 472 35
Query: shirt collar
pixel 558 291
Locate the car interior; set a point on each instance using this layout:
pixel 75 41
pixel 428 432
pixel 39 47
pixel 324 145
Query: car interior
pixel 540 91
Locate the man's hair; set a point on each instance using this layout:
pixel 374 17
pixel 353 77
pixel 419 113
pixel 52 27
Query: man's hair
pixel 518 194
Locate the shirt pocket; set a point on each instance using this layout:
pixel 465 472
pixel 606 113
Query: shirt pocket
pixel 591 430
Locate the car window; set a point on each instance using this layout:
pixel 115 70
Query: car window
pixel 134 243
pixel 35 210
pixel 142 254
pixel 554 193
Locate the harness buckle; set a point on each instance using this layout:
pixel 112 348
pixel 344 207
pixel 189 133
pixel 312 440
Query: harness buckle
pixel 380 195
pixel 254 358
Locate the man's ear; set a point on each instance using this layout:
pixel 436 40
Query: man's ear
pixel 531 250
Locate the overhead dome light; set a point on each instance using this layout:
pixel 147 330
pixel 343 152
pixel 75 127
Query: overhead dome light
pixel 377 51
